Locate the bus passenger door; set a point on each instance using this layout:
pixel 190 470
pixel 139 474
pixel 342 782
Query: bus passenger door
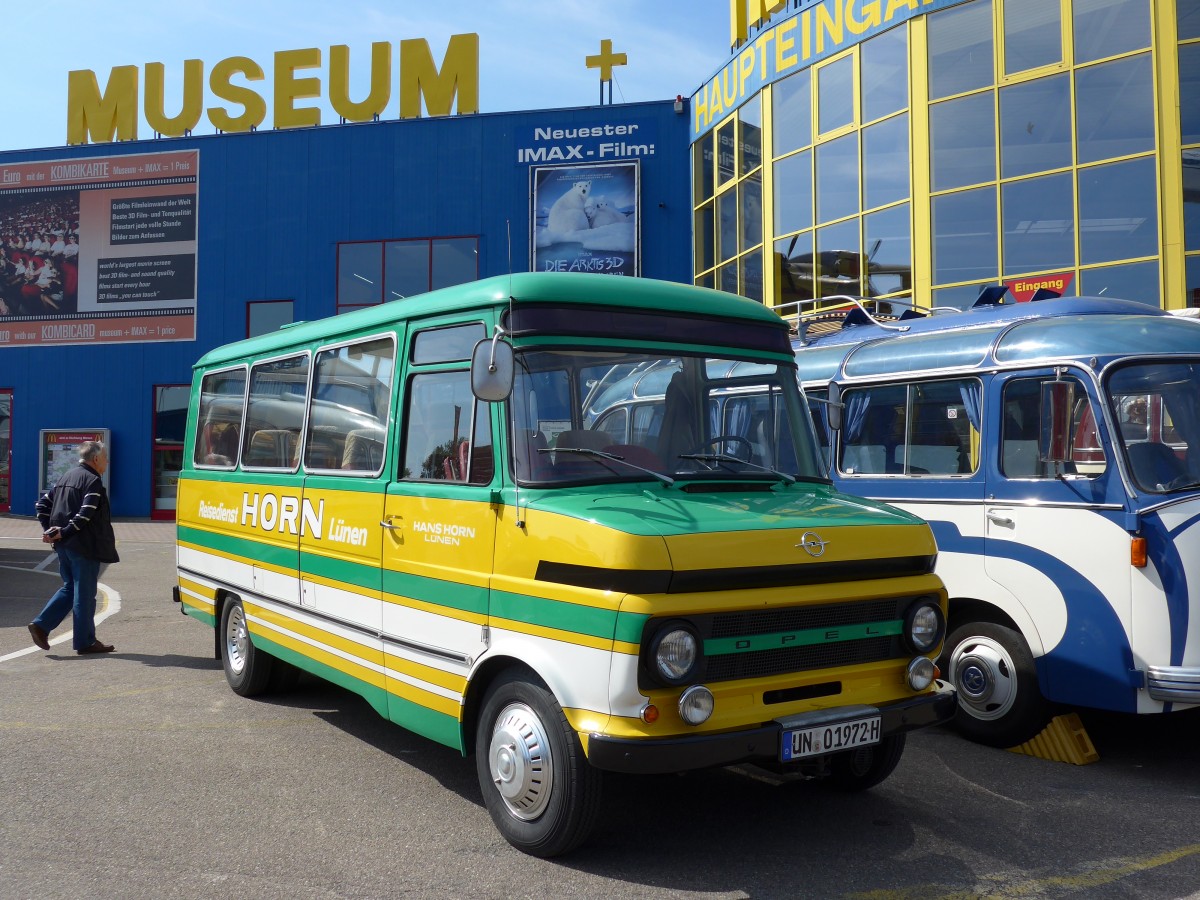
pixel 1053 543
pixel 345 465
pixel 439 538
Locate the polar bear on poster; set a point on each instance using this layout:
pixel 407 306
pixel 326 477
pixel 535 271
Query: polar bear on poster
pixel 602 214
pixel 567 214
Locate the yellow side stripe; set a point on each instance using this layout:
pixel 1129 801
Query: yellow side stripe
pixel 565 637
pixel 461 615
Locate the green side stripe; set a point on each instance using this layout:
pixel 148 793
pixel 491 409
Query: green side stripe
pixel 465 597
pixel 373 695
pixel 426 722
pixel 238 546
pixel 630 627
pixel 783 639
pixel 598 623
pixel 344 570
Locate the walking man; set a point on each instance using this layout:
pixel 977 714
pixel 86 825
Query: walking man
pixel 75 518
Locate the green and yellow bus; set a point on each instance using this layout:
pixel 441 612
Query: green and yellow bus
pixel 411 501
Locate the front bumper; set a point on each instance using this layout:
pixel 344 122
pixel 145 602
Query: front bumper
pixel 1173 684
pixel 705 751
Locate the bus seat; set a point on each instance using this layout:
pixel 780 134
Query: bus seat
pixel 933 459
pixel 363 451
pixel 271 447
pixel 583 439
pixel 1154 464
pixel 483 465
pixel 324 449
pixel 454 466
pixel 1019 459
pixel 530 464
pixel 864 459
pixel 637 455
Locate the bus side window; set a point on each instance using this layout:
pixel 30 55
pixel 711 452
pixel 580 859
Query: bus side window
pixel 448 434
pixel 874 425
pixel 347 417
pixel 277 391
pixel 222 402
pixel 1019 456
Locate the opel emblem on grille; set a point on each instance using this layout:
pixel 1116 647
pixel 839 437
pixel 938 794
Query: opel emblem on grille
pixel 812 544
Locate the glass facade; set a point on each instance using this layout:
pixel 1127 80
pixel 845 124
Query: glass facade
pixel 983 141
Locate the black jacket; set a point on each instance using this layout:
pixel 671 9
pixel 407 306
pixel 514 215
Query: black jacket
pixel 78 504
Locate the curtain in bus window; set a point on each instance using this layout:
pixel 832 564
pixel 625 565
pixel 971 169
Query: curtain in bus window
pixel 972 398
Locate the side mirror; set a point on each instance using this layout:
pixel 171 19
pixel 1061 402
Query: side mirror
pixel 492 370
pixel 1055 421
pixel 835 406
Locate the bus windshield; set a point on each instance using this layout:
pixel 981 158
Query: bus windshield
pixel 1157 409
pixel 599 416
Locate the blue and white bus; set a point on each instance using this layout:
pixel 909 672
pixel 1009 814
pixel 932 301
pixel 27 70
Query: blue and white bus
pixel 1054 447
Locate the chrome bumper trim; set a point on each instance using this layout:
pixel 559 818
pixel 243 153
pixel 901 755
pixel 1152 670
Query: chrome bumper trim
pixel 1177 684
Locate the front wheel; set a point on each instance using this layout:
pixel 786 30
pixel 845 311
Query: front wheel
pixel 865 767
pixel 538 786
pixel 247 669
pixel 999 702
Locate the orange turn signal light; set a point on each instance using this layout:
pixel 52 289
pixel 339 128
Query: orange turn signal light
pixel 649 713
pixel 1137 553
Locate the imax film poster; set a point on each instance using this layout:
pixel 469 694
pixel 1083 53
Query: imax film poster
pixel 98 250
pixel 586 218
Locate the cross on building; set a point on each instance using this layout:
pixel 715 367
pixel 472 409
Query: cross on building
pixel 605 60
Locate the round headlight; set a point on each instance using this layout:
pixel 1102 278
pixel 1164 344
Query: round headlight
pixel 923 626
pixel 920 673
pixel 696 705
pixel 675 653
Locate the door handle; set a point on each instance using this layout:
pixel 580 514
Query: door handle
pixel 387 523
pixel 997 519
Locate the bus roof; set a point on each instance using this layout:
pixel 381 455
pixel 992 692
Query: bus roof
pixel 1065 328
pixel 524 288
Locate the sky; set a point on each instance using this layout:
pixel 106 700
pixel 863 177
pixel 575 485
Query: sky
pixel 531 52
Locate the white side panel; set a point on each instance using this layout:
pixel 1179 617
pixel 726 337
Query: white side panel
pixel 223 571
pixel 340 604
pixel 1094 548
pixel 427 629
pixel 578 676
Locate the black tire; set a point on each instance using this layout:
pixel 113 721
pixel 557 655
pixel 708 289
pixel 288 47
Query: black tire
pixel 542 793
pixel 999 701
pixel 865 767
pixel 247 669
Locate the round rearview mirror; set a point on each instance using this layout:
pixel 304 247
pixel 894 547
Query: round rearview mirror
pixel 492 370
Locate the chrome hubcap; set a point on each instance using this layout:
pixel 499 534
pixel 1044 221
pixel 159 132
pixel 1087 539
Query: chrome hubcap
pixel 986 678
pixel 520 762
pixel 236 640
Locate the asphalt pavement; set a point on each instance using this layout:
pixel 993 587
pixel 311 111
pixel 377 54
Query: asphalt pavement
pixel 140 774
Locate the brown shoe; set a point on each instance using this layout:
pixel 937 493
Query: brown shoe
pixel 97 647
pixel 39 635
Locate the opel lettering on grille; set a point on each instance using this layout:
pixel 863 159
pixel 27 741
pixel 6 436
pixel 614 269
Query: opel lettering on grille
pixel 812 544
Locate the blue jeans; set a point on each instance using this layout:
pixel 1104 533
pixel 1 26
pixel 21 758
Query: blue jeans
pixel 77 595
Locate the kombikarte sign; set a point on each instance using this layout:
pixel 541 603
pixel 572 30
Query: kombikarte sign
pixel 99 250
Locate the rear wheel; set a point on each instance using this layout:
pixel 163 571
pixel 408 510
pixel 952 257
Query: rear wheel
pixel 538 786
pixel 865 767
pixel 247 670
pixel 999 702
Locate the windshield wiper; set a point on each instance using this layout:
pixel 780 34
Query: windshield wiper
pixel 600 454
pixel 729 458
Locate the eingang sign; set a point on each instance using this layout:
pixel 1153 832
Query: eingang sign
pixel 113 114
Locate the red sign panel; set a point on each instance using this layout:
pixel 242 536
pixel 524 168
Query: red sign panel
pixel 1023 289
